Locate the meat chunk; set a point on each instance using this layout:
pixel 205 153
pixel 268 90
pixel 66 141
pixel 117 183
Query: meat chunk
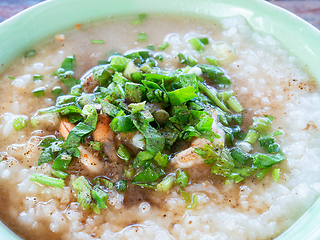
pixel 188 158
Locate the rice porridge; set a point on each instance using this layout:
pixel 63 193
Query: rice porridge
pixel 142 180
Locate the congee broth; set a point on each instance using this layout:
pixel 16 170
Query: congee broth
pixel 157 128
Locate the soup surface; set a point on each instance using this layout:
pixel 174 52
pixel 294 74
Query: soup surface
pixel 265 80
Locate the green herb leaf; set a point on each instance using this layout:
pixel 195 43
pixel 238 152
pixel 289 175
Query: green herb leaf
pixel 182 95
pixel 149 175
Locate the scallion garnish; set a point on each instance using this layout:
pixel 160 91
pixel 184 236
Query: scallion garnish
pixel 166 184
pixel 190 199
pixel 123 153
pixel 151 47
pixel 45 180
pixel 234 104
pixel 96 145
pixel 39 92
pixel 19 123
pixel 163 46
pixel 142 37
pixel 56 91
pixel 12 78
pixel 121 185
pixel 37 77
pixel 182 178
pixel 30 53
pixel 138 20
pixel 59 174
pixel 97 41
pixel 197 44
pixel 276 174
pixel 205 41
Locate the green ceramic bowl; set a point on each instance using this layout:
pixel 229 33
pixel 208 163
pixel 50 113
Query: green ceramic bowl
pixel 38 23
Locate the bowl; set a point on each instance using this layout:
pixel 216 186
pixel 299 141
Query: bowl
pixel 36 24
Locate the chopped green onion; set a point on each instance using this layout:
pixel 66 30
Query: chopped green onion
pixel 37 77
pixel 98 41
pixel 101 180
pixel 205 41
pixel 39 92
pixel 261 124
pixel 197 44
pixel 128 171
pixel 145 67
pixel 251 137
pixel 182 58
pixel 19 123
pixel 30 53
pixel 121 185
pixel 212 96
pixel 238 118
pixel 166 184
pixel 161 159
pixel 261 174
pixel 96 145
pixel 191 61
pixel 102 62
pixel 151 47
pixel 142 157
pixel 139 20
pixel 225 95
pixel 182 178
pixel 136 77
pixel 136 22
pixel 163 46
pixel 274 148
pixel 45 180
pixel 76 90
pixel 241 156
pixel 213 61
pixel 56 91
pixel 12 78
pixel 159 57
pixel 142 37
pixel 83 191
pixel 123 153
pixel 276 174
pixel 59 174
pixel 189 199
pixel 100 197
pixel 277 133
pixel 234 104
pixel 266 141
pixel 142 16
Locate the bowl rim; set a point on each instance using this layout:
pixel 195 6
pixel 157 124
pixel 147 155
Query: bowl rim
pixel 296 35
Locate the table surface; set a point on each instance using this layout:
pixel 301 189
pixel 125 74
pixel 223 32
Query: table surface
pixel 308 10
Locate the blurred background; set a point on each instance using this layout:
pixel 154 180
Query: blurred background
pixel 308 10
